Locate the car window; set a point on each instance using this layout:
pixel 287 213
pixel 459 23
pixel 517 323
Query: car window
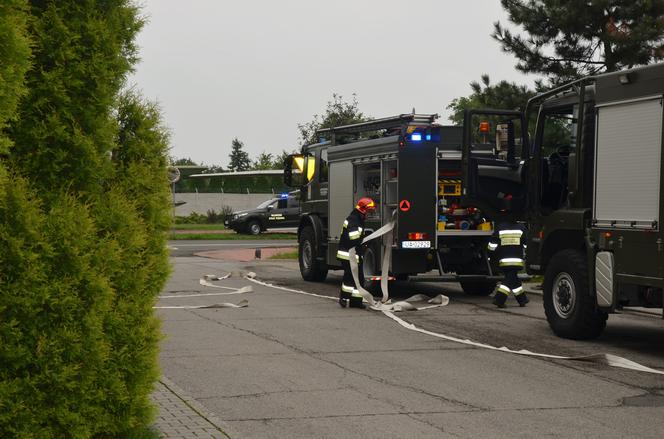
pixel 282 203
pixel 264 204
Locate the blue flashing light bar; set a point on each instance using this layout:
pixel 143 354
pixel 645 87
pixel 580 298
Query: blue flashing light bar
pixel 428 137
pixel 416 137
pixel 284 195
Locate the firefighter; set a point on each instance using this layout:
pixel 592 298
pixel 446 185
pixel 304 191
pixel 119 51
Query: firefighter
pixel 351 237
pixel 508 242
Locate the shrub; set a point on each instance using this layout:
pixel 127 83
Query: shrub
pixel 84 212
pixel 212 217
pixel 226 212
pixel 192 218
pixel 54 350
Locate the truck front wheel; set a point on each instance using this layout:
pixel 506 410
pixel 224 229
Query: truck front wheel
pixel 254 227
pixel 311 268
pixel 569 307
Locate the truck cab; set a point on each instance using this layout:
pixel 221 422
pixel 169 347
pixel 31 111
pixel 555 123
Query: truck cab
pixel 592 182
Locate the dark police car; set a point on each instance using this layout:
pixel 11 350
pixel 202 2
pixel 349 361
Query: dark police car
pixel 276 212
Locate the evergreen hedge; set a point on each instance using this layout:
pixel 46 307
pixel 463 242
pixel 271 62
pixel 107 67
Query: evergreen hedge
pixel 84 215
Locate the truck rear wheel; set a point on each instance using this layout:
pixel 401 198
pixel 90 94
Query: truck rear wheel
pixel 570 310
pixel 312 269
pixel 478 287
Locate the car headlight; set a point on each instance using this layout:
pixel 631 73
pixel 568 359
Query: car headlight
pixel 241 215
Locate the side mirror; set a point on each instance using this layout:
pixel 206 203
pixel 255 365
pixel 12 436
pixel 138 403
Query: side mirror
pixel 293 166
pixel 270 207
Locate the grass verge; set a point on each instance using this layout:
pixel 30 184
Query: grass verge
pixel 285 255
pixel 230 236
pixel 199 227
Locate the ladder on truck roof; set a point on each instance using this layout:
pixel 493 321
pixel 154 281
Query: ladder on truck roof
pixel 384 123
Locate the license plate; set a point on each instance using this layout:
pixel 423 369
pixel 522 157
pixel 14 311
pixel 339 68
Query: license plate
pixel 416 244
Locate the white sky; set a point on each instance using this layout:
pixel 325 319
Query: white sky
pixel 254 69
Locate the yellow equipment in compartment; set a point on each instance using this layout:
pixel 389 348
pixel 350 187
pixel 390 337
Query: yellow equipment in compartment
pixel 449 188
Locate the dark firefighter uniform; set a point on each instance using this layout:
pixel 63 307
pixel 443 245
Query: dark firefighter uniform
pixel 351 237
pixel 508 243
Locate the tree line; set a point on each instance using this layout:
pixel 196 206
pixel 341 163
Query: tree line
pixel 558 40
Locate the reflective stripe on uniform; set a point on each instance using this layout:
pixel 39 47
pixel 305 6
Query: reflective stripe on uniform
pixel 346 289
pixel 517 291
pixel 491 246
pixel 354 235
pixel 356 293
pixel 510 237
pixel 503 289
pixel 511 262
pixel 346 256
pixel 343 255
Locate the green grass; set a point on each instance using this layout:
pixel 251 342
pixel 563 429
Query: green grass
pixel 199 227
pixel 285 255
pixel 230 236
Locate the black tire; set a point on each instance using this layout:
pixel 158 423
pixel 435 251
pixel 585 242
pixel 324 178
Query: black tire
pixel 478 287
pixel 312 269
pixel 371 267
pixel 569 307
pixel 254 227
pixel 370 262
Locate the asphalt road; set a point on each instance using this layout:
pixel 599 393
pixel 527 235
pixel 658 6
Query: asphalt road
pixel 296 366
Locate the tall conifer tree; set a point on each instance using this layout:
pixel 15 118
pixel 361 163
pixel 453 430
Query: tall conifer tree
pixel 566 39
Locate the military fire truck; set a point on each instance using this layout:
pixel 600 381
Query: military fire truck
pixel 589 186
pixel 411 166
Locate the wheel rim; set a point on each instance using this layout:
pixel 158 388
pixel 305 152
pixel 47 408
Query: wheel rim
pixel 307 255
pixel 255 229
pixel 564 295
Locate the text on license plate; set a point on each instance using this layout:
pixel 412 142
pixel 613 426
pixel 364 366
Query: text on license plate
pixel 416 244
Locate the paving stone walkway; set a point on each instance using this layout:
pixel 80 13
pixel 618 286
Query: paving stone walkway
pixel 182 417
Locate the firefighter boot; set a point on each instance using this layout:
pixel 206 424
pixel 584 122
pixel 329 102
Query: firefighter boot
pixel 344 299
pixel 522 299
pixel 356 302
pixel 500 297
pixel 499 300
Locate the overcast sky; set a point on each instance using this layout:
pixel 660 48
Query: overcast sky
pixel 254 69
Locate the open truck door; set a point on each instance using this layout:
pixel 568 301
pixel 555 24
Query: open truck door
pixel 494 162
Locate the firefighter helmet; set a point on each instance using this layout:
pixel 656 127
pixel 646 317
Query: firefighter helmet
pixel 364 205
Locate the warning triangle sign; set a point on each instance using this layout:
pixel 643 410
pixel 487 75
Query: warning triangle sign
pixel 404 206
